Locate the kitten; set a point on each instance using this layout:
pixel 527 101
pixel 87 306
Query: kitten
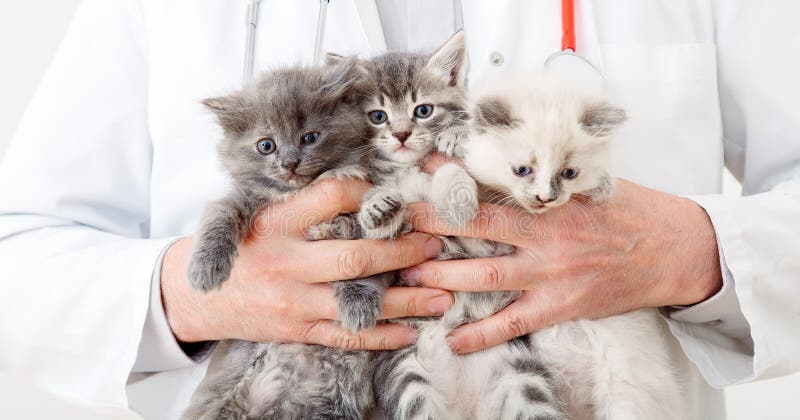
pixel 537 142
pixel 287 130
pixel 418 104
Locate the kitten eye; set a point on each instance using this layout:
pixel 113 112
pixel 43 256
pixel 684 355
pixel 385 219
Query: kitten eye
pixel 265 146
pixel 569 173
pixel 377 117
pixel 522 170
pixel 423 111
pixel 310 138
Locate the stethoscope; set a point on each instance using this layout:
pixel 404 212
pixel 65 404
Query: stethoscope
pixel 564 61
pixel 252 25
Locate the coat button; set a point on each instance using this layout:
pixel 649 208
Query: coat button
pixel 496 59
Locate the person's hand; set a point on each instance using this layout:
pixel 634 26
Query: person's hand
pixel 278 288
pixel 642 248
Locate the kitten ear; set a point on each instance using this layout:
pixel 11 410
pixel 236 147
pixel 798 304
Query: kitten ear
pixel 449 61
pixel 601 119
pixel 230 111
pixel 333 58
pixel 344 77
pixel 494 112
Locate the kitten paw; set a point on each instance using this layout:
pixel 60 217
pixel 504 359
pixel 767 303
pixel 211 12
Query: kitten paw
pixel 341 227
pixel 211 266
pixel 451 142
pixel 455 195
pixel 359 308
pixel 382 216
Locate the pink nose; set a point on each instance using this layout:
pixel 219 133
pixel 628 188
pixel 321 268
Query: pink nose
pixel 401 136
pixel 290 166
pixel 545 200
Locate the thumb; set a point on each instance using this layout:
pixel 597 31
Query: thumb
pixel 314 204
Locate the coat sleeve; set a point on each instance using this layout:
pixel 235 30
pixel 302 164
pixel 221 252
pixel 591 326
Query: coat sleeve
pixel 750 330
pixel 76 261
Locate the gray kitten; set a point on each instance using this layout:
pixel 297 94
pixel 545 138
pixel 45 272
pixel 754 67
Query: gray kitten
pixel 418 104
pixel 290 128
pixel 286 130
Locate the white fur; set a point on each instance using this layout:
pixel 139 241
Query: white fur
pixel 621 367
pixel 547 113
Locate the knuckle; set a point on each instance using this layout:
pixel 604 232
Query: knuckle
pixel 481 339
pixel 308 334
pixel 515 325
pixel 353 263
pixel 348 341
pixel 491 277
pixel 333 192
pixel 411 307
pixel 436 279
pixel 281 308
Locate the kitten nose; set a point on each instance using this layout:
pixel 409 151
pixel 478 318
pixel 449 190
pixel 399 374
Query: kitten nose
pixel 545 200
pixel 290 165
pixel 401 136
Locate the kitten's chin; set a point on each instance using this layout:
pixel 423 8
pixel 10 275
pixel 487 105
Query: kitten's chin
pixel 405 155
pixel 296 181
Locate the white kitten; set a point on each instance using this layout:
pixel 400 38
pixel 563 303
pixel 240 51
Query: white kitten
pixel 536 142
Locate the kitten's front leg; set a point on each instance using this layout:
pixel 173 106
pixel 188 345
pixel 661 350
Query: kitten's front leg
pixel 383 214
pixel 343 226
pixel 455 195
pixel 359 301
pixel 222 228
pixel 451 140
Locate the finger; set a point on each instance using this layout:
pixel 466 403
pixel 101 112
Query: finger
pixel 437 160
pixel 351 259
pixel 402 302
pixel 381 337
pixel 312 205
pixel 475 275
pixel 521 317
pixel 494 222
pixel 398 302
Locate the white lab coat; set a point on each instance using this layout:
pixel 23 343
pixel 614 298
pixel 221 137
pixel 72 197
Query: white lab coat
pixel 115 159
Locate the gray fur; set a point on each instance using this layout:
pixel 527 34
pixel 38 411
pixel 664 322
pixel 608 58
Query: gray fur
pixel 282 105
pixel 282 381
pixel 600 119
pixel 273 380
pixel 494 113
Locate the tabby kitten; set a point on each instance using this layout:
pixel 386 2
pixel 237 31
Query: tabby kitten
pixel 537 141
pixel 417 105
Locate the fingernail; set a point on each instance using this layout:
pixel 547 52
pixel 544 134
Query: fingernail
pixel 440 304
pixel 411 337
pixel 452 342
pixel 433 247
pixel 410 276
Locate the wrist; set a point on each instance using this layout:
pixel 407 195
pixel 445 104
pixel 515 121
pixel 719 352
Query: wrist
pixel 701 276
pixel 180 302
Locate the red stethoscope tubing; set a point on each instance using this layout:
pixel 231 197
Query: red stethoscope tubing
pixel 568 25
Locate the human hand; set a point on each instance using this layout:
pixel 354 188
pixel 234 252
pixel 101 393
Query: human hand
pixel 278 289
pixel 642 248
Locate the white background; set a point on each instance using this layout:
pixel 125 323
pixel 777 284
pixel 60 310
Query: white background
pixel 30 32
